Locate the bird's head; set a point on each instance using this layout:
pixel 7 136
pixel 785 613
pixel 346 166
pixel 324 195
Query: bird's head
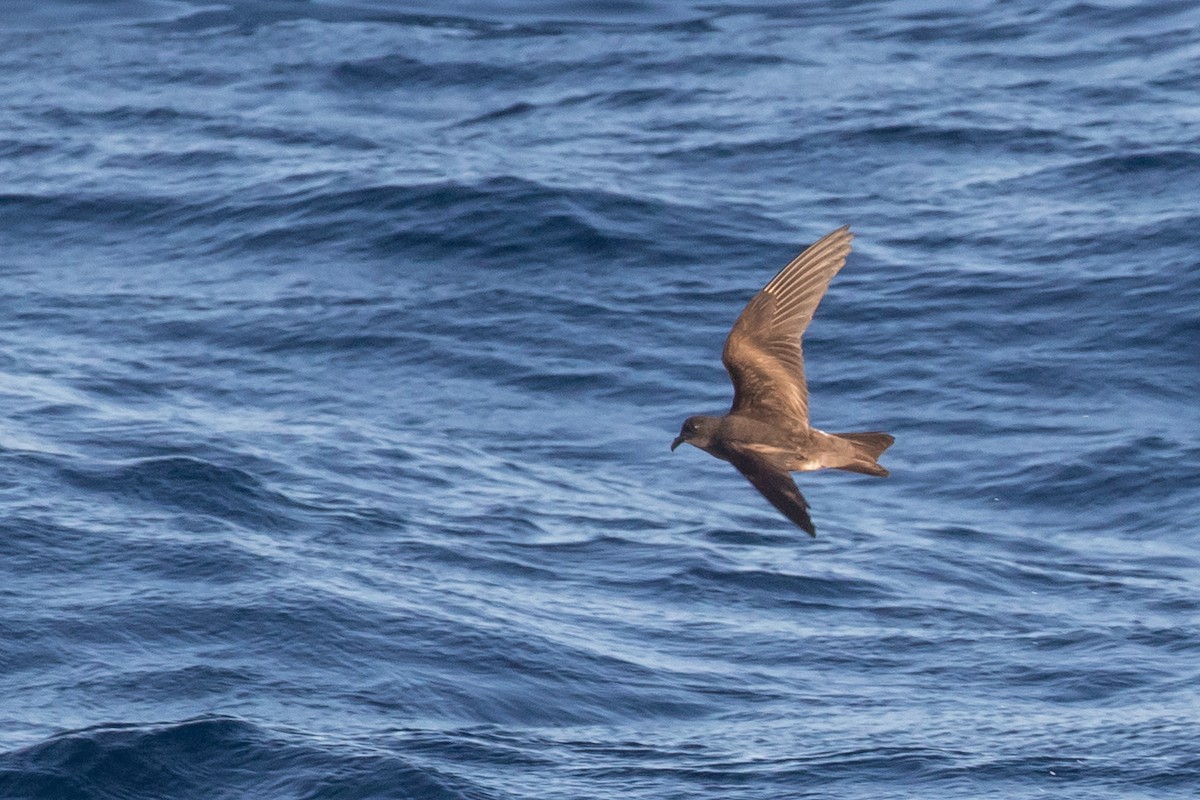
pixel 697 431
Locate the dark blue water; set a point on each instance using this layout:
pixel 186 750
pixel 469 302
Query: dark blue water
pixel 341 344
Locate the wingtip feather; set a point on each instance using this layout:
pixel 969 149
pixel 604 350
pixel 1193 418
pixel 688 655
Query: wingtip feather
pixel 830 250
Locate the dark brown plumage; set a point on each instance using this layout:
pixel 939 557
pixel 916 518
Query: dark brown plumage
pixel 766 433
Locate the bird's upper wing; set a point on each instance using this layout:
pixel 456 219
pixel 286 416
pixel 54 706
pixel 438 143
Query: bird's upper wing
pixel 777 486
pixel 762 352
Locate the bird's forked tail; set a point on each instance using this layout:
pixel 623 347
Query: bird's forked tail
pixel 868 447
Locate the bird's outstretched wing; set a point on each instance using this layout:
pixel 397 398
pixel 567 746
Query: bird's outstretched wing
pixel 762 352
pixel 778 487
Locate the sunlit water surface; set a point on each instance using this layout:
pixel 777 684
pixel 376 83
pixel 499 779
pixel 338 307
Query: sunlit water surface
pixel 341 345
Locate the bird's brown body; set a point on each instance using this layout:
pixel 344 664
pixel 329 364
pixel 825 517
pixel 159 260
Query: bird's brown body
pixel 796 451
pixel 766 433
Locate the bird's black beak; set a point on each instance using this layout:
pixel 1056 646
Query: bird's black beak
pixel 678 441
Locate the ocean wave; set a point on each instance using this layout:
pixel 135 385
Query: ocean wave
pixel 1160 172
pixel 195 757
pixel 193 485
pixel 499 222
pixel 399 71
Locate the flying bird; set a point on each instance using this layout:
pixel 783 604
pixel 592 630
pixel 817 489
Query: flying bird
pixel 766 433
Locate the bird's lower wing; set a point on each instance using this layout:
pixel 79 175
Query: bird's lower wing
pixel 778 487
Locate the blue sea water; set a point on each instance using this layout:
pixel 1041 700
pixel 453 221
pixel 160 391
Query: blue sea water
pixel 341 344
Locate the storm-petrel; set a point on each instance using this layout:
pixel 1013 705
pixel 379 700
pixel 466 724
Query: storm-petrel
pixel 766 434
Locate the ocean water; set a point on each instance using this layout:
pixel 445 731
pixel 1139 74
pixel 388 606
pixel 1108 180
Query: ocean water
pixel 341 345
